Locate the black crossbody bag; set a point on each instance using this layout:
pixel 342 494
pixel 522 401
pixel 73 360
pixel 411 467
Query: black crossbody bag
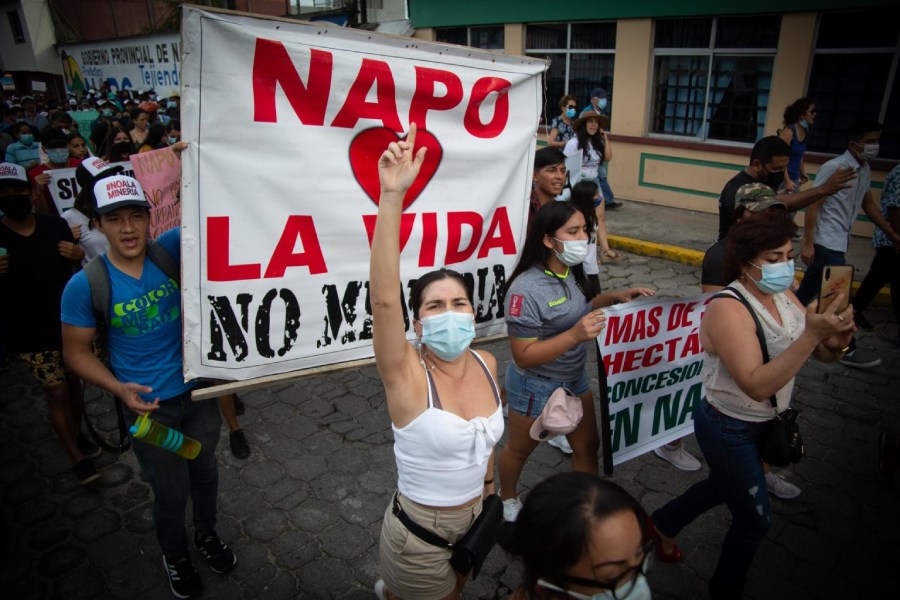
pixel 467 554
pixel 781 443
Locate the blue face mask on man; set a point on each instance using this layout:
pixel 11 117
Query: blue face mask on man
pixel 602 103
pixel 448 334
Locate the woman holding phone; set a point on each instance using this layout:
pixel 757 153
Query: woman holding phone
pixel 732 419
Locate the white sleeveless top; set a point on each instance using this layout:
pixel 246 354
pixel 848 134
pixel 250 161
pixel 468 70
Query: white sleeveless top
pixel 441 457
pixel 721 390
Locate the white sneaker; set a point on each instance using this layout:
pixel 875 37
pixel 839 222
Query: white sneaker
pixel 679 457
pixel 511 509
pixel 561 443
pixel 379 590
pixel 780 488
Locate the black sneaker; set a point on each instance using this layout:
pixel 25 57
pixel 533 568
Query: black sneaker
pixel 87 446
pixel 183 578
pixel 862 322
pixel 219 556
pixel 859 360
pixel 85 471
pixel 238 442
pixel 613 205
pixel 239 407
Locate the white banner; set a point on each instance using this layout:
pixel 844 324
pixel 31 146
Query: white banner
pixel 64 187
pixel 652 354
pixel 151 62
pixel 280 184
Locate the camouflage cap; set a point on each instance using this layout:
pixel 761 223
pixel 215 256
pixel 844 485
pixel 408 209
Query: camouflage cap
pixel 756 197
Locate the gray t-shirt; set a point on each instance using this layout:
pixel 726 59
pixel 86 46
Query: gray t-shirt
pixel 541 305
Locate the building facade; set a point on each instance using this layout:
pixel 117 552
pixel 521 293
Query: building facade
pixel 694 84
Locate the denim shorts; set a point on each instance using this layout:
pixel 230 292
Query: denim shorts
pixel 527 394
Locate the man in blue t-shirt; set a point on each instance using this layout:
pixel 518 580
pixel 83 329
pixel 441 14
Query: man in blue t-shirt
pixel 145 356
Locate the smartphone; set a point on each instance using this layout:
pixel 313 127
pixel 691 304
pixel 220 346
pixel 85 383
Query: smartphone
pixel 835 280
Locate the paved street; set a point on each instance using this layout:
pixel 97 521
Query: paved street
pixel 303 513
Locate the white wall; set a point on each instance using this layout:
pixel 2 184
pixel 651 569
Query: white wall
pixel 38 52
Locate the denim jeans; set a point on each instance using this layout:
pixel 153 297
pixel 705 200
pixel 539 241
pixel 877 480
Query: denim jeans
pixel 736 478
pixel 173 478
pixel 608 195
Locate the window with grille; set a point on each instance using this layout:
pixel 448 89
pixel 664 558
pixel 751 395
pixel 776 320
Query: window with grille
pixel 487 38
pixel 582 57
pixel 854 75
pixel 712 76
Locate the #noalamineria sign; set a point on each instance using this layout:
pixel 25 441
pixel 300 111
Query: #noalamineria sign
pixel 280 185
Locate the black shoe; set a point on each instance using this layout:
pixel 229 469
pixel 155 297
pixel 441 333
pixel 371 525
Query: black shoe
pixel 238 442
pixel 239 407
pixel 859 360
pixel 183 578
pixel 85 471
pixel 219 556
pixel 613 205
pixel 87 446
pixel 862 322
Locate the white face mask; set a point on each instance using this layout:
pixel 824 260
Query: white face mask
pixel 640 590
pixel 573 252
pixel 869 152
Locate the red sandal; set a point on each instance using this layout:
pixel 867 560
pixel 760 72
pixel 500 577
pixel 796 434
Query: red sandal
pixel 672 556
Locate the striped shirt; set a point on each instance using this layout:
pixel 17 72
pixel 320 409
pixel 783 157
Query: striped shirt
pixel 838 211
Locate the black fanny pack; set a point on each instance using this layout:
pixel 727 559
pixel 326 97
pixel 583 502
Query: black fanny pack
pixel 467 554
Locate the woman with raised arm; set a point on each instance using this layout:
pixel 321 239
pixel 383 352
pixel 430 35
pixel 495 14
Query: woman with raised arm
pixel 442 398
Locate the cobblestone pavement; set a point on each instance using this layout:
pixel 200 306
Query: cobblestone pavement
pixel 303 513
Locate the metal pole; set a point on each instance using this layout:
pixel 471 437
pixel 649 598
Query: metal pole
pixel 605 429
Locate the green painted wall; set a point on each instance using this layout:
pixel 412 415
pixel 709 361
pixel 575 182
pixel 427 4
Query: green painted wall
pixel 450 13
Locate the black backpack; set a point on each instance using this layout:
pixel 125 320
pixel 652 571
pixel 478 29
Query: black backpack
pixel 97 274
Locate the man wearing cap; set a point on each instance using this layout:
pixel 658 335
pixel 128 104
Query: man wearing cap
pixel 56 145
pixel 145 355
pixel 36 262
pixel 599 102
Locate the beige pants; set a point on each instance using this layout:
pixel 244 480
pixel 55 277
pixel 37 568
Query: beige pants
pixel 411 568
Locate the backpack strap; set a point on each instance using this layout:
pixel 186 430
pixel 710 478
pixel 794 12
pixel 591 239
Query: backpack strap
pixel 97 274
pixel 736 295
pixel 164 261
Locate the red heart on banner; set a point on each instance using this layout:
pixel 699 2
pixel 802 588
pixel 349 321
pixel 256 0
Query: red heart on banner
pixel 367 147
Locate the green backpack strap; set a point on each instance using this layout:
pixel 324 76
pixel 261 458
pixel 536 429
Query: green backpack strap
pixel 97 274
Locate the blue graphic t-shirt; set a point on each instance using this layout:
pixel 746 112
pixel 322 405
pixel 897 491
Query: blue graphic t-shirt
pixel 145 323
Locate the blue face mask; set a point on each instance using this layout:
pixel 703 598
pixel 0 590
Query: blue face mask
pixel 171 104
pixel 58 156
pixel 107 112
pixel 172 141
pixel 570 112
pixel 448 334
pixel 776 277
pixel 639 591
pixel 26 139
pixel 603 103
pixel 804 123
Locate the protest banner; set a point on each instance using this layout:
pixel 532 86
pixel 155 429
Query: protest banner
pixel 159 172
pixel 280 204
pixel 652 358
pixel 64 187
pixel 149 62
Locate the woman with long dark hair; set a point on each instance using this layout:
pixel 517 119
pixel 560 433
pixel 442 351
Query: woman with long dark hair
pixel 798 118
pixel 579 536
pixel 156 138
pixel 592 141
pixel 550 313
pixel 586 197
pixel 119 146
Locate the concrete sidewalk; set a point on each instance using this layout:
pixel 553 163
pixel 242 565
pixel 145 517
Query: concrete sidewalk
pixel 684 235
